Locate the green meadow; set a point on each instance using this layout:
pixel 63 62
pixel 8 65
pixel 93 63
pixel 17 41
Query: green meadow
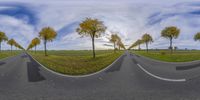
pixel 76 62
pixel 176 56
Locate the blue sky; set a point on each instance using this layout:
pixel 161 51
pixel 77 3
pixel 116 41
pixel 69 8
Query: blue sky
pixel 22 20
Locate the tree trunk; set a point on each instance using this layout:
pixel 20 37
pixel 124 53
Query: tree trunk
pixel 45 47
pixel 147 47
pixel 93 47
pixel 11 48
pixel 171 45
pixel 139 47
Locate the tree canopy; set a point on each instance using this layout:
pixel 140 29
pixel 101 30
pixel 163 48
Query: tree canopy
pixel 170 32
pixel 47 34
pixel 146 38
pixel 34 43
pixel 91 27
pixel 197 36
pixel 11 42
pixel 3 37
pixel 136 43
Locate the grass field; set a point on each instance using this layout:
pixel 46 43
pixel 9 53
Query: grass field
pixel 76 62
pixel 4 54
pixel 177 56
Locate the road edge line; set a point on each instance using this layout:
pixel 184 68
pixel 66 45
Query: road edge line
pixel 75 76
pixel 161 78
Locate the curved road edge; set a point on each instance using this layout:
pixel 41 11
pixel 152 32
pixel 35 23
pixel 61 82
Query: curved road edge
pixel 160 78
pixel 77 76
pixel 157 76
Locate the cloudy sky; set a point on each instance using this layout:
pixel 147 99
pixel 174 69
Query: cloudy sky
pixel 22 20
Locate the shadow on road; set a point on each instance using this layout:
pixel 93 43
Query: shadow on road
pixel 33 71
pixel 2 63
pixel 116 66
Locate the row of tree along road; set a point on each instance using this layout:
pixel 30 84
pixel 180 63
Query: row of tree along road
pixel 171 32
pixel 11 42
pixel 94 28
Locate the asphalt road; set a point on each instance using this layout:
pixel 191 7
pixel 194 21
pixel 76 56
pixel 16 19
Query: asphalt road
pixel 132 77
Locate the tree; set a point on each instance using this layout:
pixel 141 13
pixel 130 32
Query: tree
pixel 17 45
pixel 133 45
pixel 170 33
pixel 92 28
pixel 146 38
pixel 35 42
pixel 47 34
pixel 30 46
pixel 197 36
pixel 3 37
pixel 175 48
pixel 120 45
pixel 114 38
pixel 138 43
pixel 11 42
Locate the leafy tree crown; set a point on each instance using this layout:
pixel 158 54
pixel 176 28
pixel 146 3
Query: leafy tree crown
pixel 147 38
pixel 3 37
pixel 48 34
pixel 197 37
pixel 91 27
pixel 11 42
pixel 170 32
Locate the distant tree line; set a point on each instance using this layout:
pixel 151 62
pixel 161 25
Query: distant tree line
pixel 11 42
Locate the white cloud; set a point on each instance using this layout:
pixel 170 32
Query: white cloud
pixel 130 18
pixel 17 29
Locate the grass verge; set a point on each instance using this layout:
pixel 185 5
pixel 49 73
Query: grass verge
pixel 5 53
pixel 76 62
pixel 176 56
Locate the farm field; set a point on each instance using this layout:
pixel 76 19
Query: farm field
pixel 73 62
pixel 176 56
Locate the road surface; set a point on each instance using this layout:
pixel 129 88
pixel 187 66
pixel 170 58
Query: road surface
pixel 132 77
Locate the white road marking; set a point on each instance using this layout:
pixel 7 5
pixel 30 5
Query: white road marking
pixel 161 78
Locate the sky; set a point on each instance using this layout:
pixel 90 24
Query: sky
pixel 22 20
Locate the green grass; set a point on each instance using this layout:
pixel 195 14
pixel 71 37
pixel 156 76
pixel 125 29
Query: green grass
pixel 6 53
pixel 177 56
pixel 76 62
